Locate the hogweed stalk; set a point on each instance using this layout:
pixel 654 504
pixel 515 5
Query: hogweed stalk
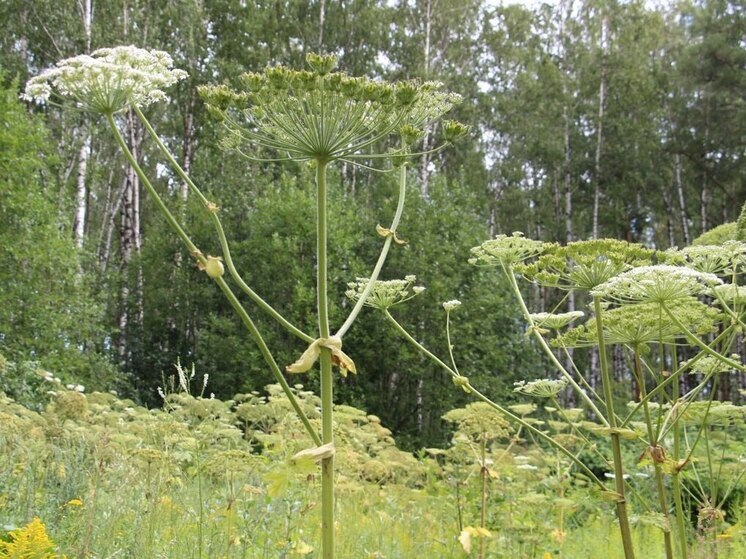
pixel 319 116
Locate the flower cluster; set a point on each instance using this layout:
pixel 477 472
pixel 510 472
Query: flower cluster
pixel 541 388
pixel 506 250
pixel 555 321
pixel 109 80
pixel 714 414
pixel 643 324
pixel 325 115
pixel 384 294
pixel 656 284
pixel 451 305
pixel 479 421
pixel 726 259
pixel 585 264
pixel 730 293
pixel 709 365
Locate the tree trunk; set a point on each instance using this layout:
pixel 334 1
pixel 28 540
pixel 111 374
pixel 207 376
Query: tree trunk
pixel 81 192
pixel 113 205
pixel 130 243
pixel 704 200
pixel 682 200
pixel 704 195
pixel 599 127
pixel 322 10
pixel 425 163
pixel 668 204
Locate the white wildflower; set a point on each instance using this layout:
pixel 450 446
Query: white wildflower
pixel 725 259
pixel 109 80
pixel 555 321
pixel 656 284
pixel 506 250
pixel 730 293
pixel 541 388
pixel 384 294
pixel 451 305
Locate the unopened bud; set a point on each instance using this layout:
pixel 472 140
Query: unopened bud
pixel 213 266
pixel 322 64
pixel 453 130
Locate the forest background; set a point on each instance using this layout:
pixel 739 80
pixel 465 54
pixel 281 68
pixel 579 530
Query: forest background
pixel 589 119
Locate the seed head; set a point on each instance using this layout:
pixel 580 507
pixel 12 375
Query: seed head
pixel 726 259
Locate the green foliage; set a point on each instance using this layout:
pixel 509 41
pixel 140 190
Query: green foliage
pixel 718 235
pixel 47 310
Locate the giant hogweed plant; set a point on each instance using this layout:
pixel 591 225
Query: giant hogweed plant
pixel 317 115
pixel 657 308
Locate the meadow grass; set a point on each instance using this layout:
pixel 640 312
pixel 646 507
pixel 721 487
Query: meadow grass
pixel 210 479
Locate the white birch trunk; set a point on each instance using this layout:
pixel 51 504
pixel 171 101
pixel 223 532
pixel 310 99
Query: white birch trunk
pixel 599 129
pixel 683 213
pixel 81 192
pixel 425 163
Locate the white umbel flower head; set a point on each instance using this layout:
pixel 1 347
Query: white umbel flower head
pixel 730 293
pixel 656 284
pixel 108 80
pixel 725 259
pixel 555 321
pixel 541 388
pixel 385 294
pixel 506 250
pixel 451 305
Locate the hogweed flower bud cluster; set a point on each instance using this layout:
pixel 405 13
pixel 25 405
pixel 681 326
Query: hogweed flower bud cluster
pixel 325 115
pixel 451 305
pixel 584 264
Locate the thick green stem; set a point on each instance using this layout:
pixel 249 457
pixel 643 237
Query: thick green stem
pixel 327 380
pixel 672 378
pixel 676 478
pixel 195 252
pixel 381 258
pixel 514 418
pixel 706 348
pixel 621 503
pixel 191 247
pixel 547 350
pixel 212 210
pixel 483 512
pixel 251 327
pixel 656 456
